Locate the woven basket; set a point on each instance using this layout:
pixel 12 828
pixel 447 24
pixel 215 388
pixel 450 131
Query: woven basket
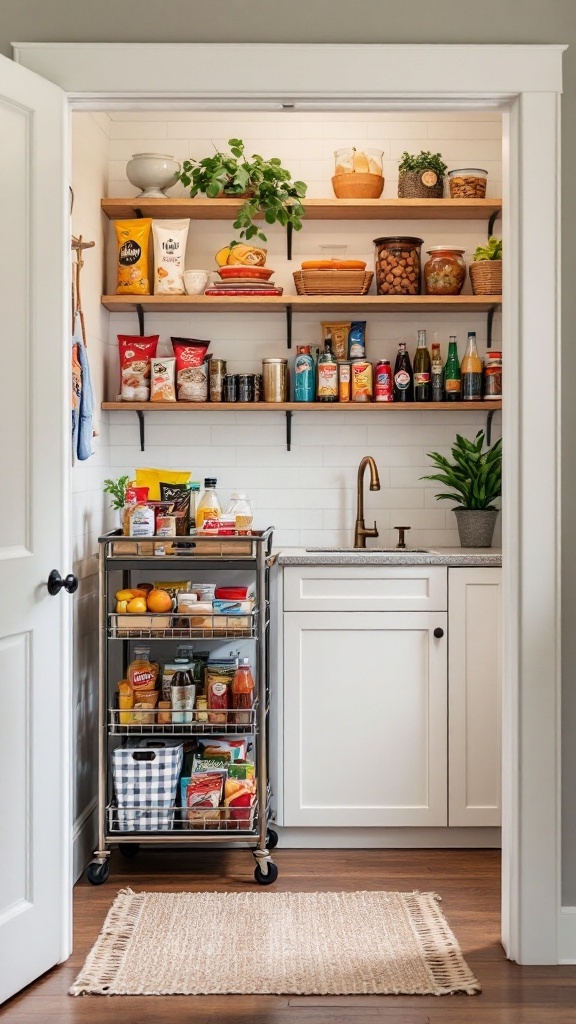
pixel 332 282
pixel 486 277
pixel 411 186
pixel 358 186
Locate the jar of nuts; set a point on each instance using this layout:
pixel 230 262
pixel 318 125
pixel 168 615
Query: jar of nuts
pixel 467 183
pixel 445 271
pixel 398 265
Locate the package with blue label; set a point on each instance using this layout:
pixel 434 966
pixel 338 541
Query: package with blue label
pixel 232 616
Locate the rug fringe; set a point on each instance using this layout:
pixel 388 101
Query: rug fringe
pixel 449 971
pixel 106 956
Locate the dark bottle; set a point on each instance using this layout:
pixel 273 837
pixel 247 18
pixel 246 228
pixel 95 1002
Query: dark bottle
pixel 452 380
pixel 403 376
pixel 437 377
pixel 327 374
pixel 422 370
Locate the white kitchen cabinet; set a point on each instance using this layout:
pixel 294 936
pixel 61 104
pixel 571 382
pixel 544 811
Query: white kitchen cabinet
pixel 365 588
pixel 365 718
pixel 474 702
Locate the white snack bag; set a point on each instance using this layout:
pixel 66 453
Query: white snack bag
pixel 169 252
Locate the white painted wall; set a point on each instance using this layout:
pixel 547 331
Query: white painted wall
pixel 308 493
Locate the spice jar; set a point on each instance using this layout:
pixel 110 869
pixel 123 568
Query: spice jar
pixel 398 265
pixel 493 377
pixel 445 271
pixel 275 373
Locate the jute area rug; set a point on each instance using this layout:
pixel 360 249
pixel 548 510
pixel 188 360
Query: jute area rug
pixel 331 943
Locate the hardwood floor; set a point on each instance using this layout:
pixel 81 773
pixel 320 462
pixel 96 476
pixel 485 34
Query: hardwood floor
pixel 467 880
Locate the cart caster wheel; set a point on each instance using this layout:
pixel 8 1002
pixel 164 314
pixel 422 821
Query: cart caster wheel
pixel 98 873
pixel 268 878
pixel 271 839
pixel 129 850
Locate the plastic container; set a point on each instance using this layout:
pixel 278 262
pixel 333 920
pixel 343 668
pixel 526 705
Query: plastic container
pixel 467 183
pixel 398 265
pixel 445 271
pixel 209 506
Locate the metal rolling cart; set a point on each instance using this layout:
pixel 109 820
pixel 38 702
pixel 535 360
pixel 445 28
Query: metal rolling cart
pixel 120 558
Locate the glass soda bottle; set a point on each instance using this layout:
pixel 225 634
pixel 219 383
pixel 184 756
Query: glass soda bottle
pixel 403 377
pixel 304 383
pixel 327 374
pixel 208 507
pixel 471 371
pixel 452 381
pixel 422 370
pixel 243 692
pixel 437 374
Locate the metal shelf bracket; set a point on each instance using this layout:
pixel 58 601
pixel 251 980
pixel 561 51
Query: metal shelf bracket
pixel 489 322
pixel 140 416
pixel 289 230
pixel 288 430
pixel 289 326
pixel 489 419
pixel 140 312
pixel 493 218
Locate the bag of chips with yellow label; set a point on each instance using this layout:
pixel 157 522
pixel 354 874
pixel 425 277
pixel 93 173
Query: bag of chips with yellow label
pixel 133 237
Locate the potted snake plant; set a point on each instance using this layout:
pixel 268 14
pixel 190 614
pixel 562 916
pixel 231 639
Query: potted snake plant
pixel 474 482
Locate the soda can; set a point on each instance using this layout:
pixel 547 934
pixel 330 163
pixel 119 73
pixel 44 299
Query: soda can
pixel 362 377
pixel 245 387
pixel 230 392
pixel 383 385
pixel 343 381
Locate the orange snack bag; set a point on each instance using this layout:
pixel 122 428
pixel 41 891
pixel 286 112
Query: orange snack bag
pixel 133 237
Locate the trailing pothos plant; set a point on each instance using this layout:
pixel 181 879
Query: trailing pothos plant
pixel 264 186
pixel 474 479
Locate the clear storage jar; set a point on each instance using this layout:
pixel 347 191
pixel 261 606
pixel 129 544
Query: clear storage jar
pixel 467 183
pixel 445 271
pixel 398 265
pixel 358 161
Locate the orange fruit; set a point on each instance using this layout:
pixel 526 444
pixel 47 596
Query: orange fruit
pixel 136 605
pixel 124 595
pixel 139 592
pixel 159 601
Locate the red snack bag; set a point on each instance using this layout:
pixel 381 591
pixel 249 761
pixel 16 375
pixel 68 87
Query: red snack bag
pixel 136 352
pixel 191 381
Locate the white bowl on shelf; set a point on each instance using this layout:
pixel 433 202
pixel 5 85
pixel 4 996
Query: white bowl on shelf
pixel 152 172
pixel 195 281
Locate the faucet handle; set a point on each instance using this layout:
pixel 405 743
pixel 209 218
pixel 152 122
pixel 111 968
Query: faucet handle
pixel 401 531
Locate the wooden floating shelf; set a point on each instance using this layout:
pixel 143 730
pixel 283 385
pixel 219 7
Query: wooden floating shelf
pixel 302 406
pixel 316 209
pixel 300 303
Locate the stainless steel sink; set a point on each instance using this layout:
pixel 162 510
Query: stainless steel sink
pixel 370 551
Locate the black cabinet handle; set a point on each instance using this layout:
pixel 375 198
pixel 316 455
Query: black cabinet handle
pixel 55 583
pixel 438 632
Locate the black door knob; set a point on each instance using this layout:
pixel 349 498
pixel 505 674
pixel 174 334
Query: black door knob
pixel 55 583
pixel 438 632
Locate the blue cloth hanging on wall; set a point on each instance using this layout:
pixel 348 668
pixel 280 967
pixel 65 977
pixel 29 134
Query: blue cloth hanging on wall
pixel 83 432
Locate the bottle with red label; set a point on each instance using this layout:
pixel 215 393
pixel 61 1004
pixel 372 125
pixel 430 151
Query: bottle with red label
pixel 383 385
pixel 403 376
pixel 422 370
pixel 327 374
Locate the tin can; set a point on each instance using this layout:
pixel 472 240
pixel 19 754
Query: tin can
pixel 258 387
pixel 217 374
pixel 245 387
pixel 362 381
pixel 343 381
pixel 493 377
pixel 383 384
pixel 275 374
pixel 230 391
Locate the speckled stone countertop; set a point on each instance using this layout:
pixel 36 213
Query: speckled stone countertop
pixel 367 556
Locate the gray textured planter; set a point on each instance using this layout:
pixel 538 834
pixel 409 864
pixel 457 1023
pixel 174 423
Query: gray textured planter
pixel 476 526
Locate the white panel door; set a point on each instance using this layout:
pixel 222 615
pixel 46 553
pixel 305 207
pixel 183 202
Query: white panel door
pixel 474 688
pixel 364 718
pixel 34 457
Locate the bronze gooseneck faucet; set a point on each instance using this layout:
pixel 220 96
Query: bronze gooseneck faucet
pixel 360 530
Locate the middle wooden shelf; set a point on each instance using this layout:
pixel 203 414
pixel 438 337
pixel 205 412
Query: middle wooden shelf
pixel 302 303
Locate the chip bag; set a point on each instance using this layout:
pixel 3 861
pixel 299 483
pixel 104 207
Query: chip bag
pixel 133 237
pixel 151 478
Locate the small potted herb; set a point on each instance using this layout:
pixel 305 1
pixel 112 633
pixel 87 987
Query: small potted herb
pixel 421 176
pixel 474 482
pixel 486 268
pixel 263 187
pixel 117 490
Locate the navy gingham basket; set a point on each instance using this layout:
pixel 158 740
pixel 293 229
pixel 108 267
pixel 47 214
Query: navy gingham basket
pixel 146 781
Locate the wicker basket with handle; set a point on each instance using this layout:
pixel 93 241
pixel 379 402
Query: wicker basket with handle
pixel 332 282
pixel 486 277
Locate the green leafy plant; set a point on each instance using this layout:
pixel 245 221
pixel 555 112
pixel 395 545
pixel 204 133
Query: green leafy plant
pixel 423 162
pixel 474 478
pixel 117 488
pixel 492 251
pixel 265 186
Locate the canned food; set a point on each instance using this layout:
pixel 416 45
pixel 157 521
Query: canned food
pixel 275 374
pixel 362 386
pixel 493 376
pixel 230 391
pixel 343 381
pixel 245 387
pixel 383 384
pixel 217 374
pixel 258 387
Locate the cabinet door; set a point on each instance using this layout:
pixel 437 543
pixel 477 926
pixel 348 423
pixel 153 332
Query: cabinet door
pixel 364 719
pixel 474 687
pixel 365 588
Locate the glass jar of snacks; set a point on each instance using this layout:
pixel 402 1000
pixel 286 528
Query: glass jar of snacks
pixel 493 376
pixel 398 265
pixel 467 183
pixel 358 161
pixel 445 271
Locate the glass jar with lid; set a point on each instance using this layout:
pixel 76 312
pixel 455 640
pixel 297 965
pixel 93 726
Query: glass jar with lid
pixel 445 271
pixel 358 161
pixel 398 265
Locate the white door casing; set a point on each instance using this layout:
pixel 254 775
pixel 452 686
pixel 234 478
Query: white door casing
pixel 34 456
pixel 525 82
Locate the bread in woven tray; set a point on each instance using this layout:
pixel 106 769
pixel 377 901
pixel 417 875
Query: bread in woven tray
pixel 333 265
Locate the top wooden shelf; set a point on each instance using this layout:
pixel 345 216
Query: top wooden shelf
pixel 316 209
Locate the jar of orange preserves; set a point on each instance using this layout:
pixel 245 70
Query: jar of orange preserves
pixel 445 271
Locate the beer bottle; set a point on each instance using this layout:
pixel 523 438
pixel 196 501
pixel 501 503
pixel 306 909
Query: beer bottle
pixel 403 377
pixel 471 371
pixel 437 374
pixel 452 382
pixel 422 370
